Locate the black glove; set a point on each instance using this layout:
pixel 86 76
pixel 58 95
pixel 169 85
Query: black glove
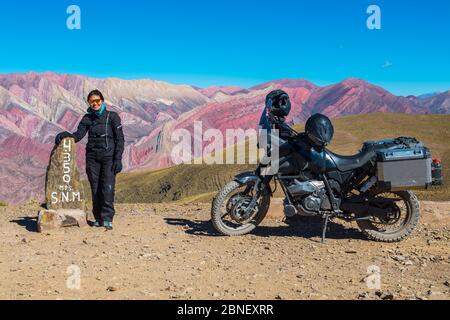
pixel 117 167
pixel 61 136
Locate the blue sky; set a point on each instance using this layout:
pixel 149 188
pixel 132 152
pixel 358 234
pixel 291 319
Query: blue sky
pixel 229 42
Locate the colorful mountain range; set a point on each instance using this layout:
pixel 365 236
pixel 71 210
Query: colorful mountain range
pixel 34 107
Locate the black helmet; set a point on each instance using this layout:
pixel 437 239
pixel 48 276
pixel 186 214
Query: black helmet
pixel 278 103
pixel 319 129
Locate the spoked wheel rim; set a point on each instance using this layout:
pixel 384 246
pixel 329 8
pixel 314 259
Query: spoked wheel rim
pixel 398 216
pixel 233 213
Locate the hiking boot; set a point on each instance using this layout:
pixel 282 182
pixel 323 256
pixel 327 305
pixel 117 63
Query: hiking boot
pixel 108 225
pixel 97 224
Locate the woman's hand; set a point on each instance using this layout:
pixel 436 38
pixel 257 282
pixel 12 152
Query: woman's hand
pixel 117 167
pixel 61 136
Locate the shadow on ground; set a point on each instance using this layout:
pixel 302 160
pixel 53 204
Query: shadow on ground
pixel 196 227
pixel 29 223
pixel 306 228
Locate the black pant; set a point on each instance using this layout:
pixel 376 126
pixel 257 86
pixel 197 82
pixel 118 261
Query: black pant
pixel 102 180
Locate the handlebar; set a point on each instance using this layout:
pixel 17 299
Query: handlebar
pixel 281 124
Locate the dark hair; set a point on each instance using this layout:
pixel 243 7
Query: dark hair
pixel 95 93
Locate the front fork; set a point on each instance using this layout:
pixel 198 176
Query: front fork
pixel 257 182
pixel 259 188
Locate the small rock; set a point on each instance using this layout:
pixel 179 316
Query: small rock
pixel 384 295
pixel 364 295
pixel 433 293
pixel 399 258
pixel 388 296
pixel 111 289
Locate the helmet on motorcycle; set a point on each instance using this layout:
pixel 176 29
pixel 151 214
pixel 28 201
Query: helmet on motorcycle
pixel 278 103
pixel 319 130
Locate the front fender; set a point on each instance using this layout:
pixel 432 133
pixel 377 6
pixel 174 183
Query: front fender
pixel 249 178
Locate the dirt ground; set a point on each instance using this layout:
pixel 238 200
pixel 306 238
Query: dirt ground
pixel 170 251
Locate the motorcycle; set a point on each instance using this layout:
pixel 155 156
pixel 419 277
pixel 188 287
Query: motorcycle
pixel 372 188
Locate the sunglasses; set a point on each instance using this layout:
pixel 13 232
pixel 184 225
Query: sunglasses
pixel 95 102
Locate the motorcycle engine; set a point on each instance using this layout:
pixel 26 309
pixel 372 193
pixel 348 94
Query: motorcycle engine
pixel 312 203
pixel 310 197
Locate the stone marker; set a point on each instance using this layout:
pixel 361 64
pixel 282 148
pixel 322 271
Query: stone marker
pixel 63 190
pixel 54 219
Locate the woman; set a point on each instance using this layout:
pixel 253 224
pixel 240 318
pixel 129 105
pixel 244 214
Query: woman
pixel 103 155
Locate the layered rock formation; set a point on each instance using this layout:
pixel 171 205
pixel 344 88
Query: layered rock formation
pixel 34 107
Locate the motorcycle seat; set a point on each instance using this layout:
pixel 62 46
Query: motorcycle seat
pixel 348 163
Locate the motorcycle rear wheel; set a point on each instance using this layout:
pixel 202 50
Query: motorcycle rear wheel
pixel 377 230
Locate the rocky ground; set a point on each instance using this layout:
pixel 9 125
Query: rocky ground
pixel 170 251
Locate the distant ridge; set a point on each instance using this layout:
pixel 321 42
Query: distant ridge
pixel 34 107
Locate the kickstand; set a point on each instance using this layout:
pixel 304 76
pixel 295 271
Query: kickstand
pixel 324 230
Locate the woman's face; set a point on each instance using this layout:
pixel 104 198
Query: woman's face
pixel 95 102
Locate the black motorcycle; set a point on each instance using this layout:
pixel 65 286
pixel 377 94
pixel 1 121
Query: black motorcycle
pixel 371 188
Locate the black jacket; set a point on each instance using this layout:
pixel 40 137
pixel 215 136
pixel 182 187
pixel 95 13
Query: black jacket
pixel 105 134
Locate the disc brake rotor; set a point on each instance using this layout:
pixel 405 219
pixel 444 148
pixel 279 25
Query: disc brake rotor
pixel 238 208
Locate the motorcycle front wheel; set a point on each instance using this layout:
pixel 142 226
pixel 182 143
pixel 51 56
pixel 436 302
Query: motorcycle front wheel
pixel 228 212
